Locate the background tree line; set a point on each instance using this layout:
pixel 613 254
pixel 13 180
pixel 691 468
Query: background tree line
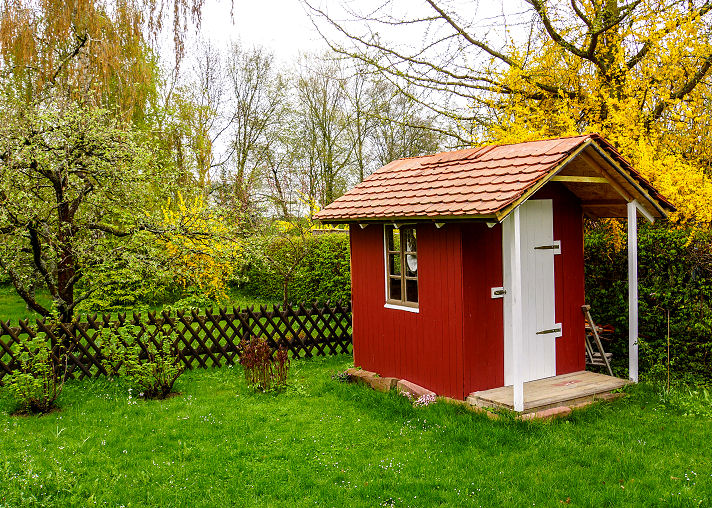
pixel 265 141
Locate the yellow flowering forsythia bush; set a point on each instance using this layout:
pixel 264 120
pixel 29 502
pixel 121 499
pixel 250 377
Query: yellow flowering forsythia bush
pixel 643 85
pixel 680 179
pixel 201 246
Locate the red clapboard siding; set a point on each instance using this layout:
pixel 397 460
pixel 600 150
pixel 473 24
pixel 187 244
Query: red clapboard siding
pixel 424 347
pixel 568 276
pixel 483 354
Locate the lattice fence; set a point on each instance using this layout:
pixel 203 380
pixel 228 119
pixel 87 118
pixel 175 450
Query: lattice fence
pixel 203 338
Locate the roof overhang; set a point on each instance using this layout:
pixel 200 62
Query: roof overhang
pixel 602 184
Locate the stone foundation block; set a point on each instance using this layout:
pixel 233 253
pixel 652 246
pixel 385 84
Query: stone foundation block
pixel 548 414
pixel 383 384
pixel 417 391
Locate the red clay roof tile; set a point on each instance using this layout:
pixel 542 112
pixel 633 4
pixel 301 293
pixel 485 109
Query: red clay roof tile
pixel 471 182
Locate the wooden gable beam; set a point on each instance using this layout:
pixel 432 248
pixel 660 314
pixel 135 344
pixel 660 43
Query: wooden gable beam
pixel 614 164
pixel 578 179
pixel 625 194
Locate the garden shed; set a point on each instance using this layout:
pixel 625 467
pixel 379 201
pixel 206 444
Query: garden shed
pixel 468 267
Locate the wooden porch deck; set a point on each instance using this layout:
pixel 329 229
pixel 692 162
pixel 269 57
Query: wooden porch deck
pixel 564 390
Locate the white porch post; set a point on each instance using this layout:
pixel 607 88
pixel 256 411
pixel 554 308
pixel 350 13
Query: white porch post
pixel 633 291
pixel 517 323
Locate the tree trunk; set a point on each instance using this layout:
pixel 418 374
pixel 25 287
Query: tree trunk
pixel 66 267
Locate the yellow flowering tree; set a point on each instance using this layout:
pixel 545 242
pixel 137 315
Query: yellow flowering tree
pixel 642 84
pixel 201 246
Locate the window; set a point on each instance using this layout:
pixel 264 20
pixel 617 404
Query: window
pixel 401 266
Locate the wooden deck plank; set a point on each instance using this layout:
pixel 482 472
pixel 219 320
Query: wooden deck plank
pixel 570 388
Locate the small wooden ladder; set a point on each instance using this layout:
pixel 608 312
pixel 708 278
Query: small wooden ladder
pixel 595 358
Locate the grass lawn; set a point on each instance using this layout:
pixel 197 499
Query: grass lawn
pixel 13 308
pixel 325 443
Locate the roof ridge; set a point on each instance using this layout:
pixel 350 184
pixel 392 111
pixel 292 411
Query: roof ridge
pixel 438 153
pixel 495 145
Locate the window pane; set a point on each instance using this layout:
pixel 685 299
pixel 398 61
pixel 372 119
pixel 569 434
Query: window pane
pixel 393 236
pixel 394 264
pixel 411 291
pixel 394 289
pixel 409 240
pixel 411 265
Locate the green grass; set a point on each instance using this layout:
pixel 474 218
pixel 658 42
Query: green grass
pixel 325 443
pixel 13 308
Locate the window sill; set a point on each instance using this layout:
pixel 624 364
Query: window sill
pixel 401 307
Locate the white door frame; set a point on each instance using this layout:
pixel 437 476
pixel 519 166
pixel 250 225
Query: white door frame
pixel 516 325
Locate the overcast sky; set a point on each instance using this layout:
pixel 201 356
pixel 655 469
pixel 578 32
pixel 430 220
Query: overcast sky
pixel 284 26
pixel 280 25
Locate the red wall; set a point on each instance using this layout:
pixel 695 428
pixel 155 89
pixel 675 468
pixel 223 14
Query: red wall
pixel 423 347
pixel 483 315
pixel 568 277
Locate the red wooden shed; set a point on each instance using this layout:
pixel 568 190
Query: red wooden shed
pixel 467 267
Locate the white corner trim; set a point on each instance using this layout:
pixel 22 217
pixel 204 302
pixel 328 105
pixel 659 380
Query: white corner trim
pixel 401 307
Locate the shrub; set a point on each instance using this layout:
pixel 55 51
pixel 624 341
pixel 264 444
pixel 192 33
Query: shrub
pixel 151 368
pixel 675 276
pixel 194 300
pixel 323 274
pixel 262 370
pixel 124 286
pixel 38 382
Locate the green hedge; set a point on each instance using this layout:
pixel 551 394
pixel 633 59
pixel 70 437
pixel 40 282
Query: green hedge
pixel 675 274
pixel 323 274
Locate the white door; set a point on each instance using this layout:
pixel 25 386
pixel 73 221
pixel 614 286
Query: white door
pixel 539 329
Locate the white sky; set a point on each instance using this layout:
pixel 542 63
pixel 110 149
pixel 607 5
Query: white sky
pixel 284 27
pixel 279 25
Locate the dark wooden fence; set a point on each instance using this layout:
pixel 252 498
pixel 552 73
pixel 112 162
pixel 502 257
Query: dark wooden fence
pixel 202 338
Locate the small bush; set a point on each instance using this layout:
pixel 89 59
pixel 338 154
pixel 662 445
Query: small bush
pixel 152 368
pixel 323 274
pixel 123 286
pixel 38 382
pixel 262 370
pixel 194 300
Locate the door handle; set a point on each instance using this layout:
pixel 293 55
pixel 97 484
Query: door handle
pixel 551 330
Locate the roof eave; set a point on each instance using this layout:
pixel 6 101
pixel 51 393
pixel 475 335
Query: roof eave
pixel 410 219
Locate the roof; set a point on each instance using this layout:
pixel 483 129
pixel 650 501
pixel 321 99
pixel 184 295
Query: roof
pixel 472 183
